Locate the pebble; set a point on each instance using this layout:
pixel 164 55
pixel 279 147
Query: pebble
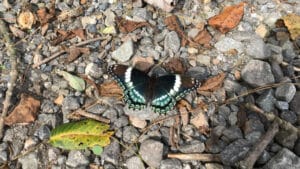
pixel 235 151
pixel 286 138
pixel 257 73
pixel 257 49
pixel 153 157
pixel 144 114
pixel 130 134
pixel 170 164
pixel 232 133
pixel 124 52
pixel 203 59
pixel 227 44
pixel 263 158
pixel 232 86
pixel 277 71
pixel 49 107
pixel 111 153
pixel 3 152
pixel 172 42
pixel 70 103
pixel 43 132
pixel 283 159
pixel 296 147
pixel 294 104
pixel 93 70
pixel 289 116
pixel 141 14
pixel 194 146
pixel 285 92
pixel 282 105
pixel 29 161
pixel 77 159
pixel 134 163
pixel 48 119
pixel 266 100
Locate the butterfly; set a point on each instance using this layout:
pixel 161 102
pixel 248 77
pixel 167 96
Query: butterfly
pixel 160 93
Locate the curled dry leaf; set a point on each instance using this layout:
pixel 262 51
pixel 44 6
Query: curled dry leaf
pixel 203 38
pixel 26 19
pixel 200 121
pixel 65 35
pixel 25 112
pixel 175 65
pixel 110 89
pixel 228 19
pixel 126 26
pixel 75 52
pixel 213 83
pixel 292 22
pixel 184 108
pixel 166 5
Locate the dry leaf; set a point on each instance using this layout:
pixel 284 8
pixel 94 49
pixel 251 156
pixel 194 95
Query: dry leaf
pixel 213 83
pixel 184 108
pixel 228 19
pixel 203 38
pixel 166 5
pixel 292 22
pixel 75 52
pixel 16 32
pixel 59 100
pixel 110 89
pixel 79 33
pixel 64 15
pixel 200 121
pixel 175 65
pixel 143 63
pixel 26 19
pixel 126 26
pixel 25 112
pixel 136 122
pixel 65 35
pixel 173 24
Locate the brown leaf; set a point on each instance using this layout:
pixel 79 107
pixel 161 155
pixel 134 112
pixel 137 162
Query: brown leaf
pixel 184 108
pixel 228 19
pixel 143 63
pixel 16 32
pixel 173 24
pixel 213 83
pixel 175 65
pixel 65 35
pixel 126 26
pixel 26 19
pixel 110 89
pixel 25 112
pixel 45 16
pixel 136 122
pixel 292 22
pixel 200 121
pixel 64 15
pixel 79 33
pixel 75 52
pixel 44 28
pixel 203 38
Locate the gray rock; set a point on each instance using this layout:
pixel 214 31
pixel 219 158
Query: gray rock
pixel 16 136
pixel 285 92
pixel 288 55
pixel 109 166
pixel 294 104
pixel 198 72
pixel 124 52
pixel 141 14
pixel 263 158
pixel 151 152
pixel 282 105
pixel 93 70
pixel 257 73
pixel 134 163
pixel 172 42
pixel 111 153
pixel 235 151
pixel 43 132
pixel 130 134
pixel 170 164
pixel 297 147
pixel 266 100
pixel 203 59
pixel 257 49
pixel 289 116
pixel 232 133
pixel 144 114
pixel 70 103
pixel 77 159
pixel 111 114
pixel 232 86
pixel 227 44
pixel 253 136
pixel 48 119
pixel 3 152
pixel 286 138
pixel 109 17
pixel 192 147
pixel 277 71
pixel 49 107
pixel 121 122
pixel 253 125
pixel 29 161
pixel 282 160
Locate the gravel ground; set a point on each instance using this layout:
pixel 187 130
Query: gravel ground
pixel 260 54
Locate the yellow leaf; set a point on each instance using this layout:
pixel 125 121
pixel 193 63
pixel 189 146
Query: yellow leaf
pixel 292 22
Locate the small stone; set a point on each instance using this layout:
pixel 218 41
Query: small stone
pixel 286 138
pixel 266 100
pixel 253 136
pixel 93 70
pixel 29 161
pixel 136 122
pixel 192 33
pixel 3 152
pixel 277 71
pixel 296 148
pixel 124 52
pixel 203 59
pixel 121 122
pixel 70 103
pixel 192 147
pixel 232 133
pixel 49 107
pixel 109 18
pixel 263 158
pixel 134 163
pixel 283 159
pixel 282 105
pixel 294 104
pixel 130 134
pixel 257 73
pixel 77 159
pixel 288 55
pixel 257 49
pixel 43 132
pixel 172 42
pixel 262 30
pixel 170 164
pixel 232 86
pixel 289 116
pixel 151 151
pixel 111 153
pixel 235 152
pixel 227 44
pixel 144 114
pixel 285 92
pixel 88 20
pixel 192 50
pixel 141 15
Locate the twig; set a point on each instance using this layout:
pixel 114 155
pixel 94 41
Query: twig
pixel 90 115
pixel 200 157
pixel 297 69
pixel 11 52
pixel 254 154
pixel 64 51
pixel 271 117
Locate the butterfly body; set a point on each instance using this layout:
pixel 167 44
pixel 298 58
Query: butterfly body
pixel 160 93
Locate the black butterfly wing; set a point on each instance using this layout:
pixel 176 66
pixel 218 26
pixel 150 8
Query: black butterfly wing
pixel 167 90
pixel 134 84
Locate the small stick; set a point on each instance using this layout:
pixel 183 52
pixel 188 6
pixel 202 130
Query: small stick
pixel 254 154
pixel 297 69
pixel 200 157
pixel 91 115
